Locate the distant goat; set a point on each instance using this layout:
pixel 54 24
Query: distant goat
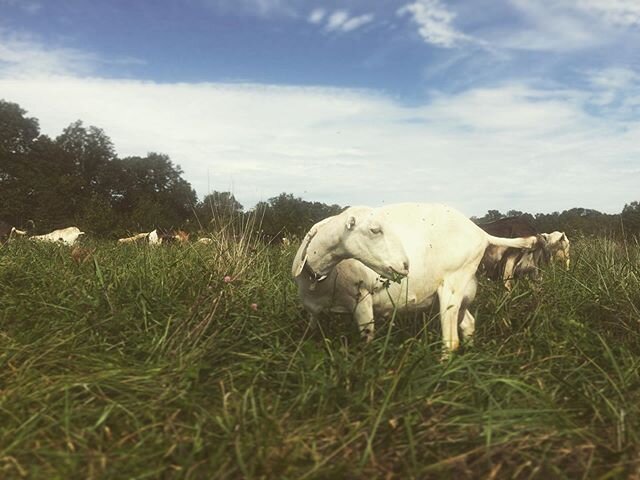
pixel 68 236
pixel 510 263
pixel 173 236
pixel 7 232
pixel 156 237
pixel 558 247
pixel 137 238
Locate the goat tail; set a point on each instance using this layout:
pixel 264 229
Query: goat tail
pixel 521 242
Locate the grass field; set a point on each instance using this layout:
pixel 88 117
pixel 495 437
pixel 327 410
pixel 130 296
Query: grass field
pixel 146 363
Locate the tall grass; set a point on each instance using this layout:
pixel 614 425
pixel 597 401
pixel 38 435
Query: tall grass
pixel 198 362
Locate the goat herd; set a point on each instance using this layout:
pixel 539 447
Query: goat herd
pixel 70 235
pixel 369 262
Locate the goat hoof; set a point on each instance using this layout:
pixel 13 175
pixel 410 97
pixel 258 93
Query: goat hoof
pixel 367 335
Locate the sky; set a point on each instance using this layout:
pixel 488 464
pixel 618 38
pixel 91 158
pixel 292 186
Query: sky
pixel 530 105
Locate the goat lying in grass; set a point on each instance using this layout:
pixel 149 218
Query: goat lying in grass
pixel 68 236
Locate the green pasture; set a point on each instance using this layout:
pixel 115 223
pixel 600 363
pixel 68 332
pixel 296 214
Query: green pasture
pixel 130 362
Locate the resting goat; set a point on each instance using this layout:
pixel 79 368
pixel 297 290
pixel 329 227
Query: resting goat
pixel 68 236
pixel 7 232
pixel 157 237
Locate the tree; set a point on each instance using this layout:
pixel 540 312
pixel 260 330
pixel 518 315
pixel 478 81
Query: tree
pixel 490 216
pixel 78 179
pixel 52 182
pixel 91 150
pixel 631 218
pixel 292 215
pixel 18 134
pixel 99 217
pixel 152 192
pixel 218 206
pixel 51 187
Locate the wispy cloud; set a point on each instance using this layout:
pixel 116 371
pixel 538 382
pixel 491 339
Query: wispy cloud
pixel 435 23
pixel 261 8
pixel 617 12
pixel 566 26
pixel 339 20
pixel 24 55
pixel 548 27
pixel 558 26
pixel 614 78
pixel 616 91
pixel 29 6
pixel 317 15
pixel 354 23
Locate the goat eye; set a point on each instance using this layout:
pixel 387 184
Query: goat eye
pixel 376 230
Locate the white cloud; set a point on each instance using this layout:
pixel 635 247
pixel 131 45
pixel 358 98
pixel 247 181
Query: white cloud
pixel 549 27
pixel 616 90
pixel 516 109
pixel 504 147
pixel 614 78
pixel 356 22
pixel 262 8
pixel 434 22
pixel 22 54
pixel 317 15
pixel 30 6
pixel 339 20
pixel 566 25
pixel 617 12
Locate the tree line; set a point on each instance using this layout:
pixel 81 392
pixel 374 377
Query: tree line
pixel 77 178
pixel 579 221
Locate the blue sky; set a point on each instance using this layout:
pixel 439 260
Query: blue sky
pixel 526 104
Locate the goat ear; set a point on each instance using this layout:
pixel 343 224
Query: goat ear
pixel 297 270
pixel 299 265
pixel 351 223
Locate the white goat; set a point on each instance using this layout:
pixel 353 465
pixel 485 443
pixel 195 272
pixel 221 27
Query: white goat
pixel 67 235
pixel 154 238
pixel 558 247
pixel 443 248
pixel 138 237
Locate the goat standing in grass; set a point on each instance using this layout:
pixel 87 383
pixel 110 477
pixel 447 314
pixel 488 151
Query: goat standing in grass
pixel 434 248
